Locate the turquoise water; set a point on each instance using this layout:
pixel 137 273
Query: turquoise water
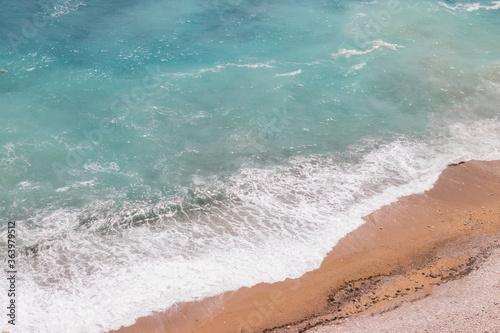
pixel 158 152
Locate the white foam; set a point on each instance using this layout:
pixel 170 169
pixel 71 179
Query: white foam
pixel 356 68
pixel 297 72
pixel 94 167
pixel 472 7
pixel 220 67
pixel 377 44
pixel 63 189
pixel 258 65
pixel 61 8
pixel 8 156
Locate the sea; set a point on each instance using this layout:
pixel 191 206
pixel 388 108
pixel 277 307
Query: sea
pixel 156 152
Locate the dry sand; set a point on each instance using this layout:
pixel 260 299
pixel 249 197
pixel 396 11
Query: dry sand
pixel 405 252
pixel 470 304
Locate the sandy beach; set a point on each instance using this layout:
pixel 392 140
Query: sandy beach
pixel 468 304
pixel 426 262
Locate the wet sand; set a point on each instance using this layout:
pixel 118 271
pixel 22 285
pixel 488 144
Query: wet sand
pixel 400 255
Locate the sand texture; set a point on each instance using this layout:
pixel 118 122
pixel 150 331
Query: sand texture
pixel 470 304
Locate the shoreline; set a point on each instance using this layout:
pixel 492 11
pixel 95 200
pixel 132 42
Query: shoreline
pixel 397 256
